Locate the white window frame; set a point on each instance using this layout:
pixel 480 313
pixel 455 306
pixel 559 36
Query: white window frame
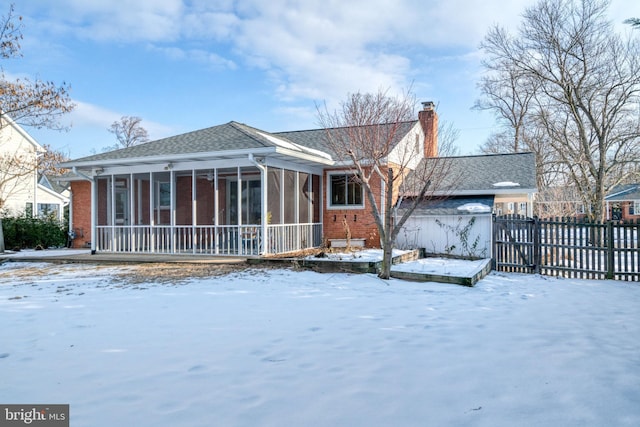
pixel 522 208
pixel 330 205
pixel 636 207
pixel 159 185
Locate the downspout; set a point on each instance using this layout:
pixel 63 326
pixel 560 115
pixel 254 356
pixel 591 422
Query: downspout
pixel 263 202
pixel 94 207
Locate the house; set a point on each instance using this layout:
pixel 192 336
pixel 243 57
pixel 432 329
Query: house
pixel 22 191
pixel 560 201
pixel 459 221
pixel 623 203
pixel 52 198
pixel 230 190
pixel 227 190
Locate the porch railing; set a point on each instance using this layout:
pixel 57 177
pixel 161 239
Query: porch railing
pixel 240 240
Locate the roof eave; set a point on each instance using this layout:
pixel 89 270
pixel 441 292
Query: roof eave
pixel 168 158
pixel 485 191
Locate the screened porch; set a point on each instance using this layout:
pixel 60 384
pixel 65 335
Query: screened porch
pixel 243 211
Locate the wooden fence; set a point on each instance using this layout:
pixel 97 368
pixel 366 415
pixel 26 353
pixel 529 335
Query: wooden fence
pixel 567 247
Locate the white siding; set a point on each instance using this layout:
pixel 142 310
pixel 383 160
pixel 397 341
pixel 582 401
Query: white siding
pixel 18 189
pixel 410 150
pixel 443 235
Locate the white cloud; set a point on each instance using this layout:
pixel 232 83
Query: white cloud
pixel 196 55
pixel 87 115
pixel 311 50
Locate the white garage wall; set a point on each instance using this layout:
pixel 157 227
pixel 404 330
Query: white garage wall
pixel 460 235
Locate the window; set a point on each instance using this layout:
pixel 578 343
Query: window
pixel 522 208
pixel 346 191
pixel 164 195
pixel 634 208
pixel 48 210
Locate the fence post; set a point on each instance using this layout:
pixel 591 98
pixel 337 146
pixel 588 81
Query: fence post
pixel 494 245
pixel 537 251
pixel 610 257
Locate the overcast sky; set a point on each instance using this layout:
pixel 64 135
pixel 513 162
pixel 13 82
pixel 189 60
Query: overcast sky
pixel 183 65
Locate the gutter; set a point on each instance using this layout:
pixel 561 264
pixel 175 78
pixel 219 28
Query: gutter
pixel 263 207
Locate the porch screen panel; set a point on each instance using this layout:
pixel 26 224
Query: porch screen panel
pixel 289 194
pixel 304 199
pixel 274 192
pixel 251 196
pixel 122 202
pixel 226 209
pixel 315 198
pixel 104 200
pixel 205 197
pixel 162 198
pixel 141 199
pixel 184 198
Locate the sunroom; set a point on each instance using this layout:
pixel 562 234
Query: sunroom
pixel 227 190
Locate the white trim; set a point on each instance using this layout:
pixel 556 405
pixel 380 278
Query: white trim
pixel 39 148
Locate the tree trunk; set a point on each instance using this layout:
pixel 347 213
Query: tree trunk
pixel 387 242
pixel 1 238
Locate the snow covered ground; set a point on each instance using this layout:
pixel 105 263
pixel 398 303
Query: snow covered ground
pixel 290 348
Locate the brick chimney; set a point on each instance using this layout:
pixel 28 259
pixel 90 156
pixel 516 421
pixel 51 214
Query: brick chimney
pixel 429 121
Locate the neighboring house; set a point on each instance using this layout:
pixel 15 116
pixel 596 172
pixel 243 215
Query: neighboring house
pixel 229 190
pixel 559 202
pixel 52 198
pixel 623 203
pixel 459 222
pixel 20 192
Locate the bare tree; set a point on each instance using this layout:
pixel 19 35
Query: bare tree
pixel 129 131
pixel 49 161
pixel 26 102
pixel 365 135
pixel 634 22
pixel 585 82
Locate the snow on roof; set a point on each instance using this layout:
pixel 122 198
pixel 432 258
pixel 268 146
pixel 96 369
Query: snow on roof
pixel 506 184
pixel 475 207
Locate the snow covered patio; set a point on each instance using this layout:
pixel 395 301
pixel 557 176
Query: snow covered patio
pixel 278 347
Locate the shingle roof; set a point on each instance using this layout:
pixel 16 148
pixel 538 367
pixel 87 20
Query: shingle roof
pixel 624 192
pixel 451 206
pixel 488 174
pixel 226 137
pixel 317 138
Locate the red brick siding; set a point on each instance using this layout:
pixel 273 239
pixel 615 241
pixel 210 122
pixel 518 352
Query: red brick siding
pixel 81 202
pixel 360 222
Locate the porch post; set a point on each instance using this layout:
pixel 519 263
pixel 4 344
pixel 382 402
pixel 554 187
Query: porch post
pixel 264 178
pixel 172 192
pixel 239 201
pixel 216 207
pixel 296 210
pixel 132 234
pixel 194 210
pixel 94 214
pixel 113 214
pixel 152 218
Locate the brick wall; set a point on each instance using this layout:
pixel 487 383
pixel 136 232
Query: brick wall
pixel 360 222
pixel 428 118
pixel 81 202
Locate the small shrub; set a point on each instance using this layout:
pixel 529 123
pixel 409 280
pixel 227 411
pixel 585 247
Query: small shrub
pixel 26 232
